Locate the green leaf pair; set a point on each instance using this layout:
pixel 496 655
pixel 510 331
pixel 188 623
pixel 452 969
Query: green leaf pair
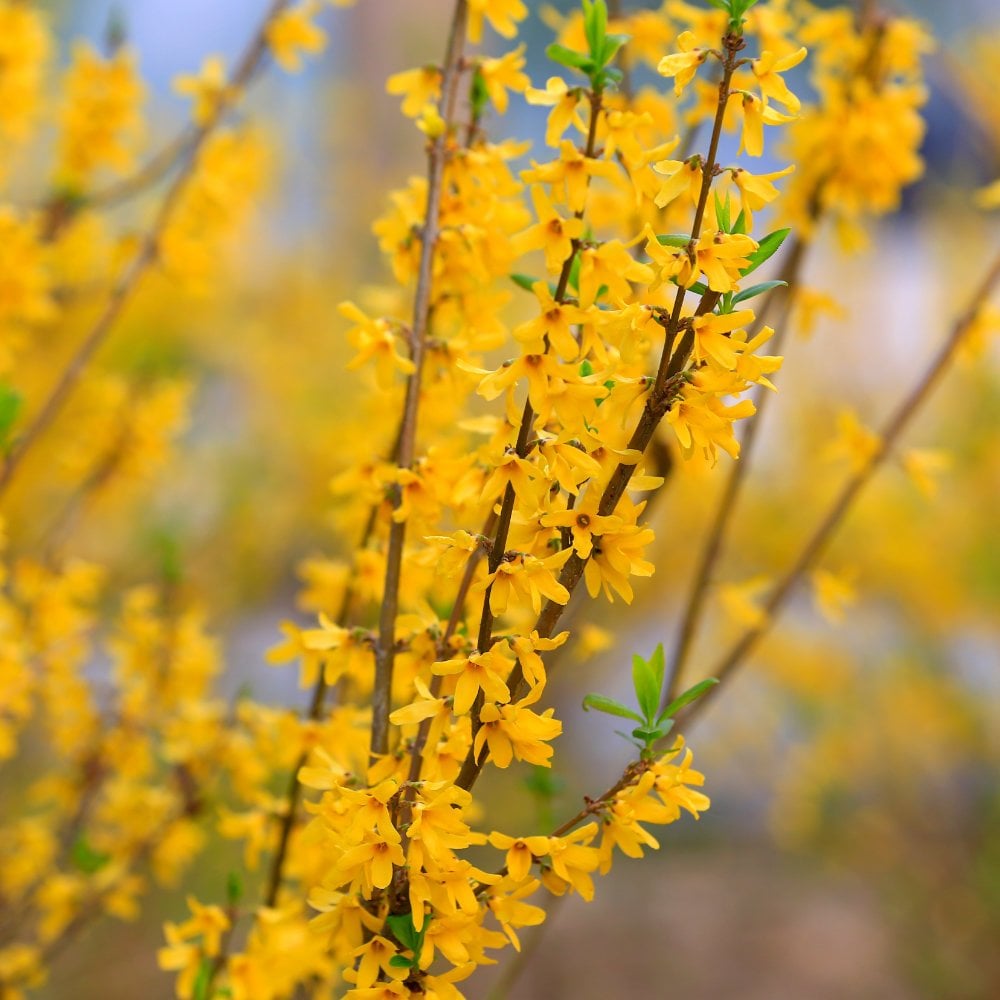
pixel 602 48
pixel 401 925
pixel 647 681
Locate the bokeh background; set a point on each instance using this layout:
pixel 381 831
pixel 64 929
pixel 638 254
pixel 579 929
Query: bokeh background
pixel 853 845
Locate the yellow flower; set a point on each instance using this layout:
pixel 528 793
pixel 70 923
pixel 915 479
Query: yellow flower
pixel 584 522
pixel 854 442
pixel 591 640
pixel 767 69
pixel 418 87
pixel 100 120
pixel 521 576
pixel 476 672
pixel 989 196
pixel 25 43
pixel 552 234
pixel 522 852
pixel 571 174
pixel 563 100
pixel 713 336
pixel 209 89
pixel 375 959
pixel 572 862
pixel 682 175
pixel 833 594
pixel 502 74
pixel 683 65
pixel 756 190
pixel 701 420
pixel 375 340
pixel 516 731
pixel 369 865
pixel 553 325
pixel 739 601
pixel 503 15
pixel 756 115
pixel 618 555
pixel 923 465
pixel 292 33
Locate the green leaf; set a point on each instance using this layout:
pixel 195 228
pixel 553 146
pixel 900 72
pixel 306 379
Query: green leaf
pixel 401 925
pixel 86 859
pixel 586 368
pixel 595 26
pixel 699 288
pixel 754 290
pixel 650 734
pixel 647 691
pixel 679 240
pixel 234 888
pixel 10 407
pixel 610 74
pixel 766 249
pixel 479 96
pixel 612 43
pixel 722 213
pixel 657 665
pixel 740 225
pixel 692 694
pixel 567 57
pixel 609 706
pixel 401 962
pixel 574 272
pixel 525 281
pixel 203 981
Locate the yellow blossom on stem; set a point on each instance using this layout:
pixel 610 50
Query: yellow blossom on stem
pixel 418 88
pixel 570 174
pixel 503 16
pixel 476 672
pixel 767 69
pixel 209 88
pixel 504 73
pixel 683 65
pixel 375 340
pixel 523 577
pixel 563 100
pixel 293 33
pixel 552 234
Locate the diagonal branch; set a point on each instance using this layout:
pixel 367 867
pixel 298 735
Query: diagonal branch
pixel 837 511
pixel 436 157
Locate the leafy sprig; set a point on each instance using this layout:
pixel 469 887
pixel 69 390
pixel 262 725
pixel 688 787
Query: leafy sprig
pixel 602 48
pixel 647 681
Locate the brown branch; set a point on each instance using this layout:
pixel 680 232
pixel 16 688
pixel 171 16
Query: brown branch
pixel 657 404
pixel 294 791
pixel 147 253
pixel 729 497
pixel 834 516
pixel 386 650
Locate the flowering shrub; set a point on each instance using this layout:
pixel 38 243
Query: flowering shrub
pixel 579 332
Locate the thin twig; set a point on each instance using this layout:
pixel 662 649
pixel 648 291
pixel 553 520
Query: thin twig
pixel 729 497
pixel 657 404
pixel 837 511
pixel 385 654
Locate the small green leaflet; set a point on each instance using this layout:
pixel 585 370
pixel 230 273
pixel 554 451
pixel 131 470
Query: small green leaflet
pixel 766 249
pixel 754 290
pixel 601 703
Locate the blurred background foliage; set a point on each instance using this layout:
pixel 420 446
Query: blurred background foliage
pixel 853 846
